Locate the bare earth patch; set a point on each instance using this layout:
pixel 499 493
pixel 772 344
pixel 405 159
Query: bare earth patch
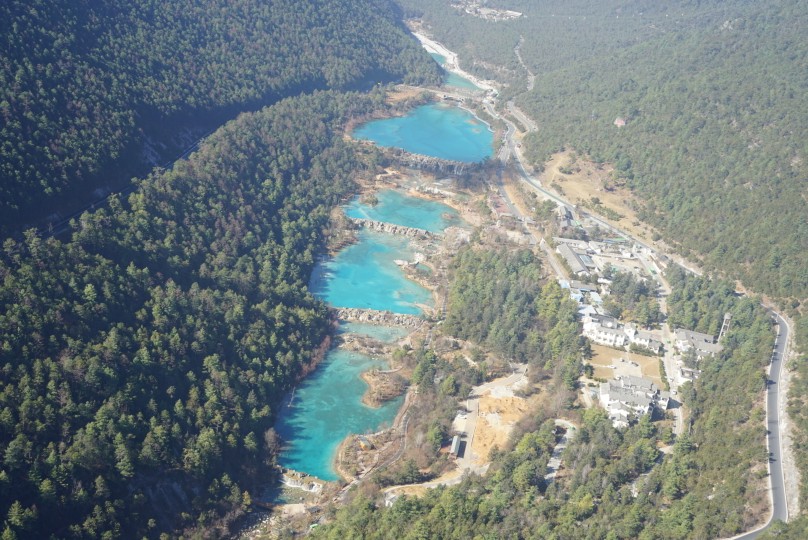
pixel 610 363
pixel 583 179
pixel 498 416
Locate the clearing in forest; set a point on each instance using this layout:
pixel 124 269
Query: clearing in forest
pixel 581 180
pixel 610 363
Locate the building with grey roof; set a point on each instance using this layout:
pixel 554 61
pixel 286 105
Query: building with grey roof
pixel 573 261
pixel 629 397
pixel 705 345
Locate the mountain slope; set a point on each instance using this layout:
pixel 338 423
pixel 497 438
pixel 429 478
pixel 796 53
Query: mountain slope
pixel 142 359
pixel 82 83
pixel 715 95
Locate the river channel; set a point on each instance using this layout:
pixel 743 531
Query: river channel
pixel 453 79
pixel 327 406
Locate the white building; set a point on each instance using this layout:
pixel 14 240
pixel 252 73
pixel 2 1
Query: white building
pixel 705 345
pixel 603 335
pixel 628 397
pixel 608 331
pixel 643 339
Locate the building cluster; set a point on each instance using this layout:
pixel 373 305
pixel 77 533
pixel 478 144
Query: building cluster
pixel 590 257
pixel 602 328
pixel 627 398
pixel 478 9
pixel 702 344
pixel 605 330
pixel 697 346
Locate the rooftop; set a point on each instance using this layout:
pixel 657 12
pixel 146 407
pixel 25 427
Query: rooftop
pixel 572 259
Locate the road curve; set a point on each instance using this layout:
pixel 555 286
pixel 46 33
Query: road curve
pixel 777 495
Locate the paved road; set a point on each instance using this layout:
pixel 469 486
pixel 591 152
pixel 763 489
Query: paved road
pixel 671 368
pixel 778 491
pixel 773 398
pixel 551 258
pixel 524 119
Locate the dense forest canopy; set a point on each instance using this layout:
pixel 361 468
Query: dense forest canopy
pixel 619 484
pixel 496 299
pixel 84 83
pixel 715 95
pixel 142 358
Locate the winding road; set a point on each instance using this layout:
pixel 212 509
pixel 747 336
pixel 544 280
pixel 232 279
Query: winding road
pixel 774 408
pixel 774 400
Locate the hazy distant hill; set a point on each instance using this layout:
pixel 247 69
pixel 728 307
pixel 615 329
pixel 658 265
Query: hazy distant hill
pixel 80 80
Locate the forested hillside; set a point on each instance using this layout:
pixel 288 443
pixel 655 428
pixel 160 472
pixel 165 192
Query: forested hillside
pixel 82 83
pixel 618 484
pixel 496 300
pixel 715 96
pixel 142 359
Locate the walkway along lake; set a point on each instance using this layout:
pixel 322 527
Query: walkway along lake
pixel 327 406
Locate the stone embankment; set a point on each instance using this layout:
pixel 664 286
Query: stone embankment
pixel 392 228
pixel 431 163
pixel 372 316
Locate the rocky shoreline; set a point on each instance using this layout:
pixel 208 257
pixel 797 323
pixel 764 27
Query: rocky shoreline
pixel 372 316
pixel 392 228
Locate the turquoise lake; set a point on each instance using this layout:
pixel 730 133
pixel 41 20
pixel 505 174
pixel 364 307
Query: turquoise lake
pixel 453 79
pixel 326 408
pixel 364 275
pixel 437 130
pixel 396 207
pixel 327 405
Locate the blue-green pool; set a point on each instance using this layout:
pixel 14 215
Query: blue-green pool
pixel 365 275
pixel 437 130
pixel 396 207
pixel 327 407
